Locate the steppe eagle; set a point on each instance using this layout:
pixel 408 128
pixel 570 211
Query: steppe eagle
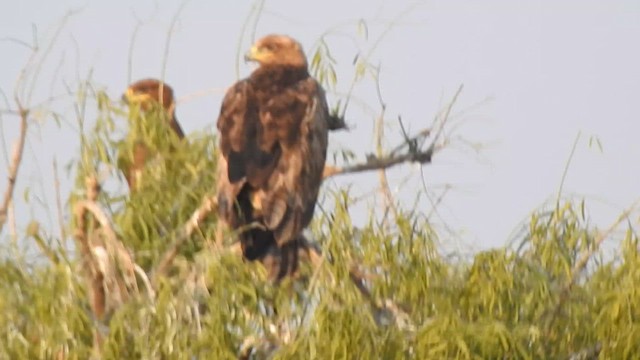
pixel 273 129
pixel 148 94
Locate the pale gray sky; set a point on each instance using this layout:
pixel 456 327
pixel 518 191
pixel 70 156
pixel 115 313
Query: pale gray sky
pixel 551 69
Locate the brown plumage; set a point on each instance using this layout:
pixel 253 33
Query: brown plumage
pixel 147 94
pixel 273 145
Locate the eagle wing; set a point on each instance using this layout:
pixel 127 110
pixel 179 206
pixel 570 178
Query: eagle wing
pixel 272 154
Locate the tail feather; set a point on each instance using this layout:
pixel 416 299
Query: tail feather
pixel 282 261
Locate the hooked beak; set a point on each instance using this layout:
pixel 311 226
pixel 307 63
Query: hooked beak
pixel 131 97
pixel 253 54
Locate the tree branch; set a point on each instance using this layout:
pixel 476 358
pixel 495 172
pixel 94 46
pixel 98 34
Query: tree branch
pixel 16 160
pixel 395 157
pixel 207 206
pixel 111 269
pixel 377 163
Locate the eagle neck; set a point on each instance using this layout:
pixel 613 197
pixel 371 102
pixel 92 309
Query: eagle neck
pixel 266 76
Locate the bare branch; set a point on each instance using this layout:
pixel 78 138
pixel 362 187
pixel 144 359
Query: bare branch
pixel 101 217
pixel 377 163
pixel 207 206
pixel 395 157
pixel 110 268
pixel 16 159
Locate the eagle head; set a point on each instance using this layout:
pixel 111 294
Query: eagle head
pixel 277 50
pixel 149 91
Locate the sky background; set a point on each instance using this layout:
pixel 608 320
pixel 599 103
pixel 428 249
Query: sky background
pixel 536 74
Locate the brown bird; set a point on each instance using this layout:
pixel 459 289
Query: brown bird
pixel 273 145
pixel 148 94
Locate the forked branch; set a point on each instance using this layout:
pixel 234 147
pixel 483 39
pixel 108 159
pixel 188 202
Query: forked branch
pixel 408 151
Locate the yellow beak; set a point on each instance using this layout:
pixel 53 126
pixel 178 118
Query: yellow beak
pixel 131 97
pixel 254 54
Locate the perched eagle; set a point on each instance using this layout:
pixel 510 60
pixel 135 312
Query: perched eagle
pixel 273 129
pixel 148 94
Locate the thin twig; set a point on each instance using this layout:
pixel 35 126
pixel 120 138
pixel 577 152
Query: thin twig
pixel 254 14
pixel 35 73
pixel 56 186
pixel 445 117
pixel 167 46
pixel 389 202
pixel 132 44
pixel 566 168
pixel 386 31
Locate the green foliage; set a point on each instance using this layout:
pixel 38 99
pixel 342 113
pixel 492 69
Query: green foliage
pixel 43 312
pixel 407 300
pixel 178 174
pixel 410 302
pixel 504 303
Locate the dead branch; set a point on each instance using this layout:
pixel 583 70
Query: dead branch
pixel 377 163
pixel 207 206
pixel 111 268
pixel 395 157
pixel 84 206
pixel 16 160
pixel 93 277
